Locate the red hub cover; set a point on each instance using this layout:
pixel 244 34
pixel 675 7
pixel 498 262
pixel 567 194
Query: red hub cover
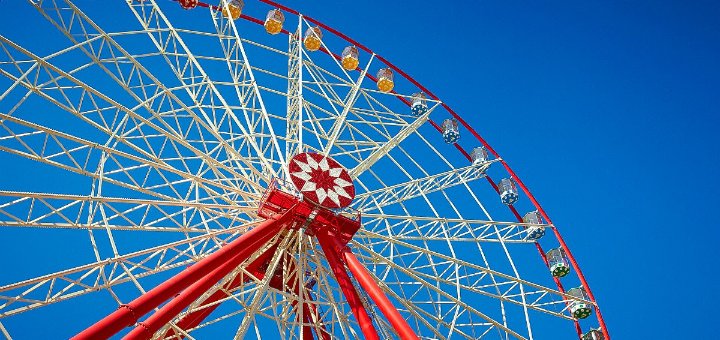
pixel 322 180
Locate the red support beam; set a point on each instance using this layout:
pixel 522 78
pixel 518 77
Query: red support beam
pixel 327 243
pixel 193 319
pixel 145 330
pixel 363 277
pixel 309 310
pixel 129 314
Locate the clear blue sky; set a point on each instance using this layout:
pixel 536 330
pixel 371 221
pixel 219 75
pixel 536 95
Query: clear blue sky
pixel 608 112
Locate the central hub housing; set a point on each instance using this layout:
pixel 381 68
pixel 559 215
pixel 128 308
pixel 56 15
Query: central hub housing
pixel 322 189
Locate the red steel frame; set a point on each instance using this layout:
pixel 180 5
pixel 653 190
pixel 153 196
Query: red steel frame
pixel 195 318
pixel 146 329
pixel 365 280
pixel 129 314
pixel 343 279
pixel 281 209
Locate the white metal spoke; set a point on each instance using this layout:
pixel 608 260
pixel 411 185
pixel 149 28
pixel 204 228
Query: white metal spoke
pixel 294 124
pixel 41 291
pixel 136 80
pixel 424 284
pixel 43 210
pixel 372 200
pixel 416 261
pixel 19 137
pixel 404 227
pixel 347 105
pixel 164 35
pixel 390 144
pixel 242 73
pixel 107 119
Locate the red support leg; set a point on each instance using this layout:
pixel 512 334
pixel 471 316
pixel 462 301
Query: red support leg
pixel 147 328
pixel 309 310
pixel 193 319
pixel 128 314
pixel 307 330
pixel 351 295
pixel 363 277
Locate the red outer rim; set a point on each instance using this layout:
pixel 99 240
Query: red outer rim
pixel 467 126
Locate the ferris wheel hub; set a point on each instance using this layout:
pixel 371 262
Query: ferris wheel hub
pixel 280 197
pixel 322 180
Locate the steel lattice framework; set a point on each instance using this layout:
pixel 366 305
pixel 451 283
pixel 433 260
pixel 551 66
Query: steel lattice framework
pixel 170 128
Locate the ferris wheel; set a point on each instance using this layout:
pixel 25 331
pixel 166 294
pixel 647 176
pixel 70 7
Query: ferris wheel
pixel 241 170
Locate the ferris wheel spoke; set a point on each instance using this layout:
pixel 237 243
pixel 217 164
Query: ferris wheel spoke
pixel 324 89
pixel 349 102
pixel 314 125
pixel 33 293
pixel 263 287
pixel 189 71
pixel 390 144
pixel 394 194
pixel 136 80
pixel 43 210
pixel 319 87
pixel 415 228
pixel 294 125
pixel 470 277
pixel 110 120
pixel 241 71
pixel 75 154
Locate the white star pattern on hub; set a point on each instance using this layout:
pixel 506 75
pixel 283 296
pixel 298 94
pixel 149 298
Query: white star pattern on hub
pixel 322 180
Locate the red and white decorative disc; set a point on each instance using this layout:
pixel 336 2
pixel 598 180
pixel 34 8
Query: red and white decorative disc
pixel 322 180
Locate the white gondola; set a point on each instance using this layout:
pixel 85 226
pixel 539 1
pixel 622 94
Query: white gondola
pixel 508 191
pixel 479 155
pixel 419 104
pixel 534 233
pixel 558 262
pixel 579 309
pixel 450 131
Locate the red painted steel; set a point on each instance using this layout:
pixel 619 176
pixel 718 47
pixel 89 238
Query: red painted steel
pixel 309 309
pixel 193 319
pixel 128 314
pixel 351 295
pixel 276 200
pixel 364 278
pixel 147 328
